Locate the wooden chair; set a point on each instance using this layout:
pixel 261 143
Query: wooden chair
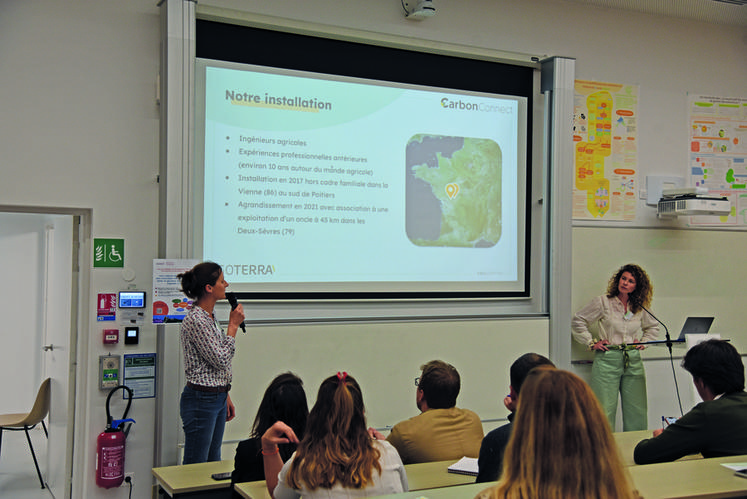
pixel 27 421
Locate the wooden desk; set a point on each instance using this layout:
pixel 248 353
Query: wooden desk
pixel 434 475
pixel 253 490
pixel 420 476
pixel 627 440
pixel 694 478
pixel 691 479
pixel 192 480
pixel 467 491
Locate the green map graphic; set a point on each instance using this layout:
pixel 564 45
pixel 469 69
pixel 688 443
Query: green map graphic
pixel 464 175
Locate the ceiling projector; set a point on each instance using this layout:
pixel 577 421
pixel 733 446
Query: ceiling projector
pixel 691 201
pixel 420 10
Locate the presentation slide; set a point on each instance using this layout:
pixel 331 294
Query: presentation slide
pixel 317 183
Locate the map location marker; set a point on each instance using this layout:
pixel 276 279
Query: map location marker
pixel 452 190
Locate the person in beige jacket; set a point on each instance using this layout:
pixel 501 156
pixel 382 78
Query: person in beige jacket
pixel 441 431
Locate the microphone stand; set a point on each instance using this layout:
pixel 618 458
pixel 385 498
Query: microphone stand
pixel 671 357
pixel 666 331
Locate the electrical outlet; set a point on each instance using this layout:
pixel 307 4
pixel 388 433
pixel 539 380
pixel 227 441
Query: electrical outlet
pixel 131 476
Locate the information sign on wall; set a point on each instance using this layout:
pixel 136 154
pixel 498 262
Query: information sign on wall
pixel 108 253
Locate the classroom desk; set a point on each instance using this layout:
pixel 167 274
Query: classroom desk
pixel 627 440
pixel 467 491
pixel 694 478
pixel 193 480
pixel 420 476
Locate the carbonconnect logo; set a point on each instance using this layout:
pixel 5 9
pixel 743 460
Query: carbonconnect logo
pixel 482 107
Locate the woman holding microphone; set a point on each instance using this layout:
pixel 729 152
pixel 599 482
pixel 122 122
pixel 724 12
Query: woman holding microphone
pixel 205 405
pixel 621 320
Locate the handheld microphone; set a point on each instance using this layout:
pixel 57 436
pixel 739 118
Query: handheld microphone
pixel 235 303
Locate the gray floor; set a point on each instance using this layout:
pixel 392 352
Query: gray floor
pixel 18 479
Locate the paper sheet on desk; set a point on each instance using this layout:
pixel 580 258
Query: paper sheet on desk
pixel 465 466
pixel 735 466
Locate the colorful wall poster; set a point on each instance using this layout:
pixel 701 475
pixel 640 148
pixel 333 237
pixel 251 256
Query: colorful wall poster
pixel 605 136
pixel 718 154
pixel 170 304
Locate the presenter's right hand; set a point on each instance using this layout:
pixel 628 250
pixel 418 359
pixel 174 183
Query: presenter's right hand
pixel 278 433
pixel 601 345
pixel 236 316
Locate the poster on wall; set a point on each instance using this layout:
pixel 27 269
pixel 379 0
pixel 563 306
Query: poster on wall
pixel 170 304
pixel 605 138
pixel 140 375
pixel 718 154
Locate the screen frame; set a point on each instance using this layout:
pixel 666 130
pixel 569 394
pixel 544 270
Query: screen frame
pixel 140 295
pixel 532 237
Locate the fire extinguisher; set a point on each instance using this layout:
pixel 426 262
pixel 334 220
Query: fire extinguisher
pixel 110 446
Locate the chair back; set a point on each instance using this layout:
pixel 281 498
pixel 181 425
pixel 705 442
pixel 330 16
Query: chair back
pixel 41 405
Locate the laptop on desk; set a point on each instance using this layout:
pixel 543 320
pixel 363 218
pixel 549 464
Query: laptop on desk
pixel 695 325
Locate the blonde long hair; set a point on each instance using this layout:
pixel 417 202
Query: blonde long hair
pixel 561 445
pixel 336 447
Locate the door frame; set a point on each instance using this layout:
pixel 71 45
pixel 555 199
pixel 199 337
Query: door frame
pixel 80 287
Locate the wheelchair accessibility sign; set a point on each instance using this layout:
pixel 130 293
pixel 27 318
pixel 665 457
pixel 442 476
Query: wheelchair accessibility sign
pixel 108 252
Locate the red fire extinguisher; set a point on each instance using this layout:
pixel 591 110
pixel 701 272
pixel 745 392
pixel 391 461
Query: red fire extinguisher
pixel 110 446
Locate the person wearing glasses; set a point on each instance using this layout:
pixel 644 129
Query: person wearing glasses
pixel 441 431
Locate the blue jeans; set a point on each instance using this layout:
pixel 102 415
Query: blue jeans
pixel 203 419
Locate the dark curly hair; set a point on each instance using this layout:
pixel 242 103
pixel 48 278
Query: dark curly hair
pixel 643 292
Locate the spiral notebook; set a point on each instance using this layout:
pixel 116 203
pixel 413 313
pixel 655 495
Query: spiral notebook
pixel 465 466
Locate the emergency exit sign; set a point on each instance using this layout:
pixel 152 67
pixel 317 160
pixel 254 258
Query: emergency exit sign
pixel 108 253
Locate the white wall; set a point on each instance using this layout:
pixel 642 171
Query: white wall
pixel 694 273
pixel 80 129
pixel 22 250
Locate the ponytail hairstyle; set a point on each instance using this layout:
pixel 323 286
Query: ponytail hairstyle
pixel 643 292
pixel 336 447
pixel 195 279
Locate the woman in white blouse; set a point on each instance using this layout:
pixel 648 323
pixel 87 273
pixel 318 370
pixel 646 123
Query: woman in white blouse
pixel 620 321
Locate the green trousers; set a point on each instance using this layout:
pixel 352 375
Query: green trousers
pixel 621 371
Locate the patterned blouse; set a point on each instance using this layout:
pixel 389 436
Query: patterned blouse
pixel 208 350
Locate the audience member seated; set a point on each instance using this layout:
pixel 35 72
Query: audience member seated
pixel 337 457
pixel 284 400
pixel 494 444
pixel 715 427
pixel 441 431
pixel 561 446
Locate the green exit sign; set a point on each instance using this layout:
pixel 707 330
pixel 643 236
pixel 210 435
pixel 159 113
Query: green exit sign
pixel 108 253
